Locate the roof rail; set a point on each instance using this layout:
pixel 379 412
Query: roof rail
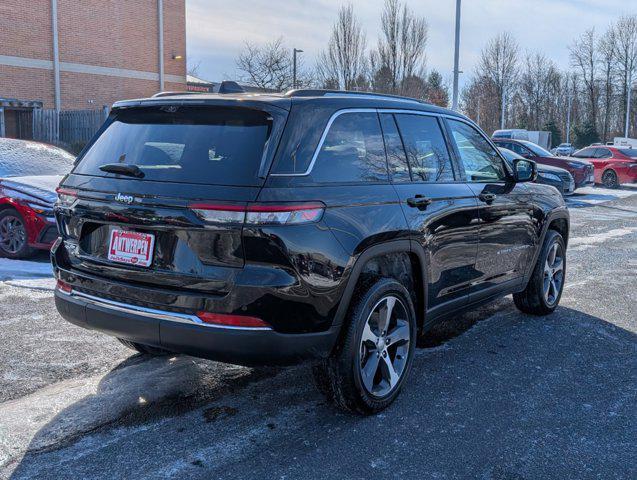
pixel 170 94
pixel 308 92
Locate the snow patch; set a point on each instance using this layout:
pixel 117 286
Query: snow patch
pixel 582 243
pixel 23 269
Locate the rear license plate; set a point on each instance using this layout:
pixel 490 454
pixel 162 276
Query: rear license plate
pixel 133 248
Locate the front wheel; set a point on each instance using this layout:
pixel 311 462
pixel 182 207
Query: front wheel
pixel 544 290
pixel 374 357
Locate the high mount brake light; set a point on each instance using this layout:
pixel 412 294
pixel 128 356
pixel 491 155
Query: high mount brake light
pixel 66 196
pixel 260 214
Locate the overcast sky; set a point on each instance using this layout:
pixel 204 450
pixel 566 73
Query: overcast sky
pixel 217 30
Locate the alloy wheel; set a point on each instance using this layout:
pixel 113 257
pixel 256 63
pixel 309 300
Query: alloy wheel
pixel 13 235
pixel 384 346
pixel 553 274
pixel 609 179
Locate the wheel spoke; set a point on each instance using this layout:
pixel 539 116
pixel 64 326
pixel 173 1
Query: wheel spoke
pixel 385 314
pixel 400 334
pixel 558 266
pixel 551 255
pixel 369 370
pixel 368 335
pixel 391 376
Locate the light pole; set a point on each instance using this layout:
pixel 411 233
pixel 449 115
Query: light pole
pixel 456 59
pixel 569 104
pixel 502 119
pixel 295 51
pixel 629 88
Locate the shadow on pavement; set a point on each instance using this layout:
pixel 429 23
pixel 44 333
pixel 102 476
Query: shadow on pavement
pixel 513 397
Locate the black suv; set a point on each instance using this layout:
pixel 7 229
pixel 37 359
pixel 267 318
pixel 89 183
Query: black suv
pixel 267 229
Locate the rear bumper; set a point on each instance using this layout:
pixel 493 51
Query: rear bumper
pixel 181 333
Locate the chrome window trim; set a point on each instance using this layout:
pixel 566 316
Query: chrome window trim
pixel 151 312
pixel 345 111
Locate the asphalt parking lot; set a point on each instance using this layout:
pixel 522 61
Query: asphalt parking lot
pixel 495 394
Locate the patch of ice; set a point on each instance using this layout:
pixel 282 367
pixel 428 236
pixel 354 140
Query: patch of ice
pixel 581 243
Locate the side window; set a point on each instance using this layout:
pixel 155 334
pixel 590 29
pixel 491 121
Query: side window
pixel 480 160
pixel 585 153
pixel 352 151
pixel 426 148
pixel 519 149
pixel 396 157
pixel 603 153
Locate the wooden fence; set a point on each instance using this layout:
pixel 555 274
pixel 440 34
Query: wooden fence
pixel 66 127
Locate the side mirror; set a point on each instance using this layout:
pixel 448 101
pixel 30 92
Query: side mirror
pixel 524 170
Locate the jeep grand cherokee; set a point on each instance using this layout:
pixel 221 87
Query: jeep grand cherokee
pixel 269 229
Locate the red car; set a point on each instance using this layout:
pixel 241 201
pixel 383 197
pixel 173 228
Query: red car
pixel 581 170
pixel 29 174
pixel 613 165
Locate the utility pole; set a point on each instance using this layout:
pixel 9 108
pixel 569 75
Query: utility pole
pixel 456 59
pixel 503 108
pixel 628 94
pixel 478 114
pixel 569 101
pixel 294 53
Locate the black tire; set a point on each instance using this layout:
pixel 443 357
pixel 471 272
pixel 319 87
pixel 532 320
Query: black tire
pixel 144 349
pixel 340 378
pixel 609 179
pixel 8 249
pixel 532 299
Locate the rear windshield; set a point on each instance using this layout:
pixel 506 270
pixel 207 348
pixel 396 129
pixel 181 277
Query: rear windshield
pixel 222 146
pixel 630 152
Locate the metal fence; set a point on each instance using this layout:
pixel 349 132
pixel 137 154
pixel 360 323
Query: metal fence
pixel 66 127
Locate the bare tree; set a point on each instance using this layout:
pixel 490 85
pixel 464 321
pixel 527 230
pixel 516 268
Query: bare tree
pixel 401 49
pixel 193 67
pixel 344 62
pixel 499 64
pixel 268 66
pixel 584 58
pixel 539 85
pixel 626 53
pixel 606 60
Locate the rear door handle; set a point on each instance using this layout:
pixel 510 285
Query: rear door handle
pixel 487 197
pixel 419 201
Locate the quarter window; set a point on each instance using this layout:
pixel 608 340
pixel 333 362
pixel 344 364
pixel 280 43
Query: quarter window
pixel 353 151
pixel 426 148
pixel 480 160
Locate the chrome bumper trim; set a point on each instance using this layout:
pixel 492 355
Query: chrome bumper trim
pixel 151 312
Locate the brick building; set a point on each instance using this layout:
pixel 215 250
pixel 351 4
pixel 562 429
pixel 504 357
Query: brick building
pixel 72 55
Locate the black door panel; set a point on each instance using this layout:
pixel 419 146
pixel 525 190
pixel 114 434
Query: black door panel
pixel 447 229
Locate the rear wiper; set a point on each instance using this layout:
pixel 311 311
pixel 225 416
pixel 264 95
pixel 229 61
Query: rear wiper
pixel 123 169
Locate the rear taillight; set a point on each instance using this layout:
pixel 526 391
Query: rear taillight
pixel 66 196
pixel 237 321
pixel 260 214
pixel 64 287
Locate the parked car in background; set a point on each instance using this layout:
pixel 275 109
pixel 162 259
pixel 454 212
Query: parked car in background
pixel 274 228
pixel 613 165
pixel 564 149
pixel 546 175
pixel 29 174
pixel 581 170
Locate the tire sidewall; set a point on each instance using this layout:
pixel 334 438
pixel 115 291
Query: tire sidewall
pixel 379 290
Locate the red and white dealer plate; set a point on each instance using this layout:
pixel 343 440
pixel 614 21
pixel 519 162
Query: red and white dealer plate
pixel 133 248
